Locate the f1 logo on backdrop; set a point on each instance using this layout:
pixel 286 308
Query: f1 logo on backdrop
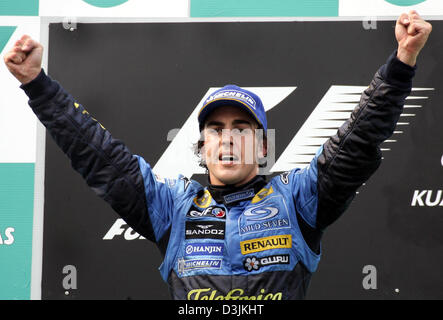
pixel 329 114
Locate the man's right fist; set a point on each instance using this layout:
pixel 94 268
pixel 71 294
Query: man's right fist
pixel 24 60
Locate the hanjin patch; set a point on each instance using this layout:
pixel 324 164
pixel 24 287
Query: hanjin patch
pixel 204 249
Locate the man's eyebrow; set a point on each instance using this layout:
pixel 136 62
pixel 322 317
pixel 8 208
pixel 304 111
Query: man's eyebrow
pixel 214 123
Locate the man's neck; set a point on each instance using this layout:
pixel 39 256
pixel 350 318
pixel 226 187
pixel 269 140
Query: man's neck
pixel 232 194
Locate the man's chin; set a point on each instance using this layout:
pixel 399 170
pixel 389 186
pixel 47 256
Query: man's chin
pixel 229 179
pixel 228 175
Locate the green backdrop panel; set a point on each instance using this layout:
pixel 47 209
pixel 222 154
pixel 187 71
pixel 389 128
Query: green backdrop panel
pixel 16 220
pixel 264 8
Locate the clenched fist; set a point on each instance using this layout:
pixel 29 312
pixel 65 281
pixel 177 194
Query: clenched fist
pixel 24 60
pixel 411 32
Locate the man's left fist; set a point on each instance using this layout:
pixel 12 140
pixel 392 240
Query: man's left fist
pixel 411 32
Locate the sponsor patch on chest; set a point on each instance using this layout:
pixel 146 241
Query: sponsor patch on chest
pixel 193 264
pixel 203 249
pixel 266 243
pixel 269 215
pixel 253 263
pixel 205 230
pixel 210 212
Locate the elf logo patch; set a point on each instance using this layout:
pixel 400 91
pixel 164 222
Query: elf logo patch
pixel 211 212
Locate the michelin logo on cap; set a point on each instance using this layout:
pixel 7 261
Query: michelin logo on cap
pixel 232 94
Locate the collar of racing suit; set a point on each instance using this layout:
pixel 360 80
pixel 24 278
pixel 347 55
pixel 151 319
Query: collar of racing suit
pixel 230 195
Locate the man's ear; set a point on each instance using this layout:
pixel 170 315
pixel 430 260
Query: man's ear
pixel 201 148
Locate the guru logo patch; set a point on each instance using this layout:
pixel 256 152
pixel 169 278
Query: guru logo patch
pixel 253 263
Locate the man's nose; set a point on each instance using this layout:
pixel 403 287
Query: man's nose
pixel 227 137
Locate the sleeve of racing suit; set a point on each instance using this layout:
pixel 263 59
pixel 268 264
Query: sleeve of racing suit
pixel 324 189
pixel 105 163
pixel 351 156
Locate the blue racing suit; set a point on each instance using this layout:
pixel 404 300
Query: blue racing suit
pixel 256 241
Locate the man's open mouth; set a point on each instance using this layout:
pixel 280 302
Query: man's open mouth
pixel 228 158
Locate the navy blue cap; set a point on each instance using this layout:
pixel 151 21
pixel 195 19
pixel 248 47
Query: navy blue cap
pixel 232 95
